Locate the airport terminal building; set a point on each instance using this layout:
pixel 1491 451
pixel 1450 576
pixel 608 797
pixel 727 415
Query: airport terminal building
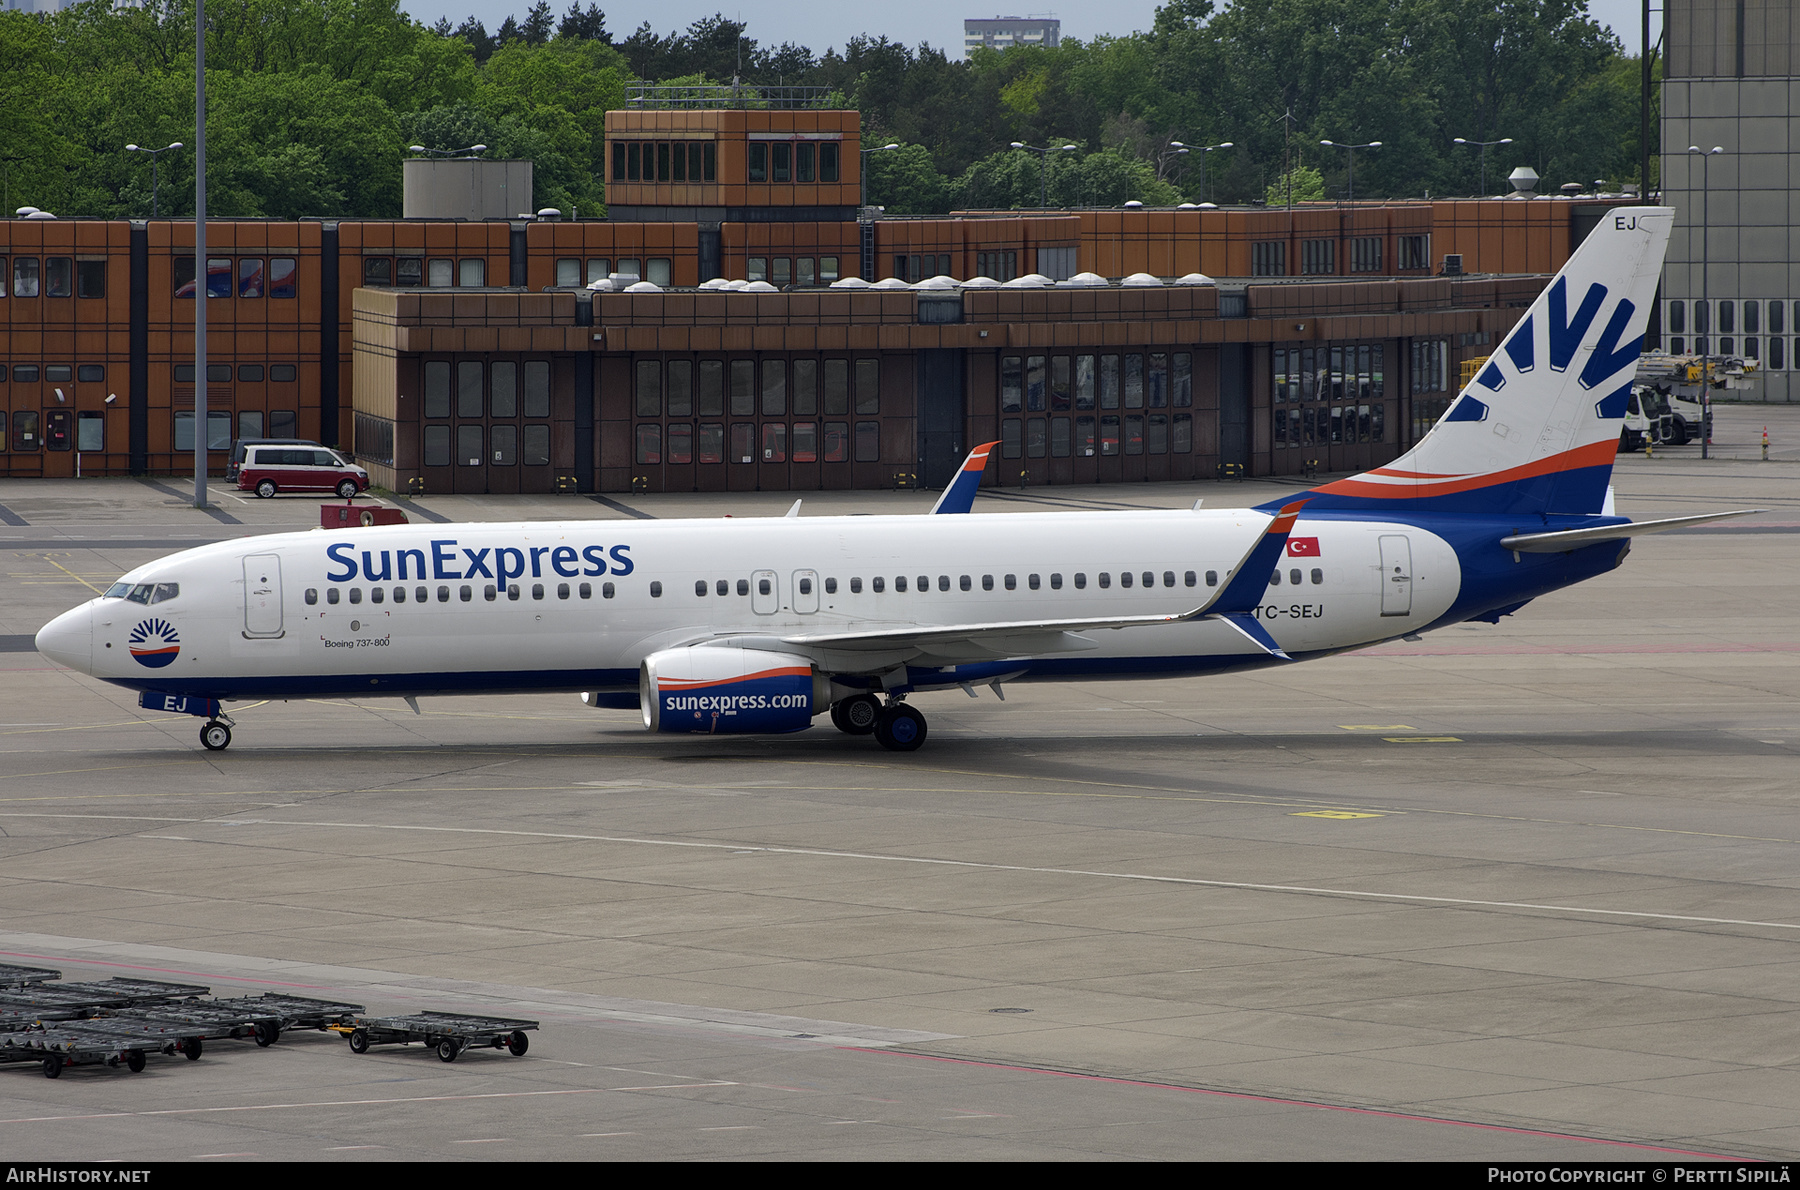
pixel 468 354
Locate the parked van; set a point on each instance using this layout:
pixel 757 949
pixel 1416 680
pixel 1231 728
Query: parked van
pixel 270 469
pixel 242 446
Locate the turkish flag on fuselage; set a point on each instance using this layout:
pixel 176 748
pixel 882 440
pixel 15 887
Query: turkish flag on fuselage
pixel 1303 547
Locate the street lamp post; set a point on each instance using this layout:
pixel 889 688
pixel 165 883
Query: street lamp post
pixel 863 169
pixel 1483 145
pixel 154 154
pixel 1374 144
pixel 1167 155
pixel 1044 157
pixel 469 151
pixel 1706 156
pixel 1205 153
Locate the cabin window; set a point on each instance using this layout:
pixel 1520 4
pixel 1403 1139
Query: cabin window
pixel 355 594
pixel 1294 577
pixel 877 583
pixel 700 587
pixel 1056 582
pixel 331 595
pixel 987 582
pixel 1212 578
pixel 1168 578
pixel 537 590
pixel 900 583
pixel 1124 579
pixel 562 590
pixel 856 586
pixel 312 596
pixel 656 590
pixel 1080 581
pixel 723 587
pixel 490 593
pixel 1105 580
pixel 512 591
pixel 743 586
pixel 831 586
pixel 606 590
pixel 1012 582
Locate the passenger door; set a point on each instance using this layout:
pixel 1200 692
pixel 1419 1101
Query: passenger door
pixel 262 596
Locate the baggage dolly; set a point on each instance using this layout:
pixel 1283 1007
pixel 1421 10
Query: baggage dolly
pixel 450 1033
pixel 24 977
pixel 295 1012
pixel 217 1021
pixel 89 999
pixel 61 1044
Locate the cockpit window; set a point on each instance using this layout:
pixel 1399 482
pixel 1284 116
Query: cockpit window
pixel 141 593
pixel 117 591
pixel 165 591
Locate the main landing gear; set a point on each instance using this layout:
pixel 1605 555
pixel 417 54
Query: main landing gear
pixel 896 726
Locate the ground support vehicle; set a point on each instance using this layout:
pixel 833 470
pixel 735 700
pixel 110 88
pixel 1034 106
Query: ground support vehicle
pixel 449 1033
pixel 91 999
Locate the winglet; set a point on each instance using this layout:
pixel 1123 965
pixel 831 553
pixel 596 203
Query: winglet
pixel 959 494
pixel 1244 591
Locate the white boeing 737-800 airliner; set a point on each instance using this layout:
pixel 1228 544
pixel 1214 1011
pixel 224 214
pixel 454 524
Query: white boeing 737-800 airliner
pixel 735 626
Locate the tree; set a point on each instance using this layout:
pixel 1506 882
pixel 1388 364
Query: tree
pixel 584 26
pixel 539 23
pixel 1303 183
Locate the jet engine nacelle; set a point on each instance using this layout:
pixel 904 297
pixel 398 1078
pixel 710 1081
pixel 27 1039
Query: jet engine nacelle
pixel 720 690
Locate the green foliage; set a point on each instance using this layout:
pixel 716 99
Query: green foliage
pixel 1303 183
pixel 314 101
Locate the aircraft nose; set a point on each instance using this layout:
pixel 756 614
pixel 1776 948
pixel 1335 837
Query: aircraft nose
pixel 69 639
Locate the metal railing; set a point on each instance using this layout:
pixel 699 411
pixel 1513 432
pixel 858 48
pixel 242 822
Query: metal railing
pixel 749 95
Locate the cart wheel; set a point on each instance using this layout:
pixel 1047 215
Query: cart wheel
pixel 359 1041
pixel 191 1048
pixel 53 1066
pixel 264 1034
pixel 446 1050
pixel 518 1043
pixel 134 1061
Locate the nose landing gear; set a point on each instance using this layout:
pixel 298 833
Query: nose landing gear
pixel 215 736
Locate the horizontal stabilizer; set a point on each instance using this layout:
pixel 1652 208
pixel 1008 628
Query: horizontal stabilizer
pixel 959 494
pixel 1564 540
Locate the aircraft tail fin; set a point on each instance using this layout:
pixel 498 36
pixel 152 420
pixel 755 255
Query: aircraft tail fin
pixel 959 493
pixel 1536 430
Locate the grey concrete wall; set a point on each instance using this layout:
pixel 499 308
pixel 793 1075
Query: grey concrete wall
pixel 1747 199
pixel 465 188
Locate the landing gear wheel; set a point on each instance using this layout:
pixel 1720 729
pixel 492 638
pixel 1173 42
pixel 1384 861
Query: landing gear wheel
pixel 856 716
pixel 446 1050
pixel 518 1043
pixel 190 1049
pixel 899 728
pixel 347 491
pixel 359 1041
pixel 53 1066
pixel 266 489
pixel 215 737
pixel 134 1061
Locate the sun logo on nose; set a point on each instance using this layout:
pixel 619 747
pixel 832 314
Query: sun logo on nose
pixel 154 643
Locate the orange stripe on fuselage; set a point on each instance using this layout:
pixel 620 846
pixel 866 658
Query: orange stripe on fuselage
pixel 1594 454
pixel 683 684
